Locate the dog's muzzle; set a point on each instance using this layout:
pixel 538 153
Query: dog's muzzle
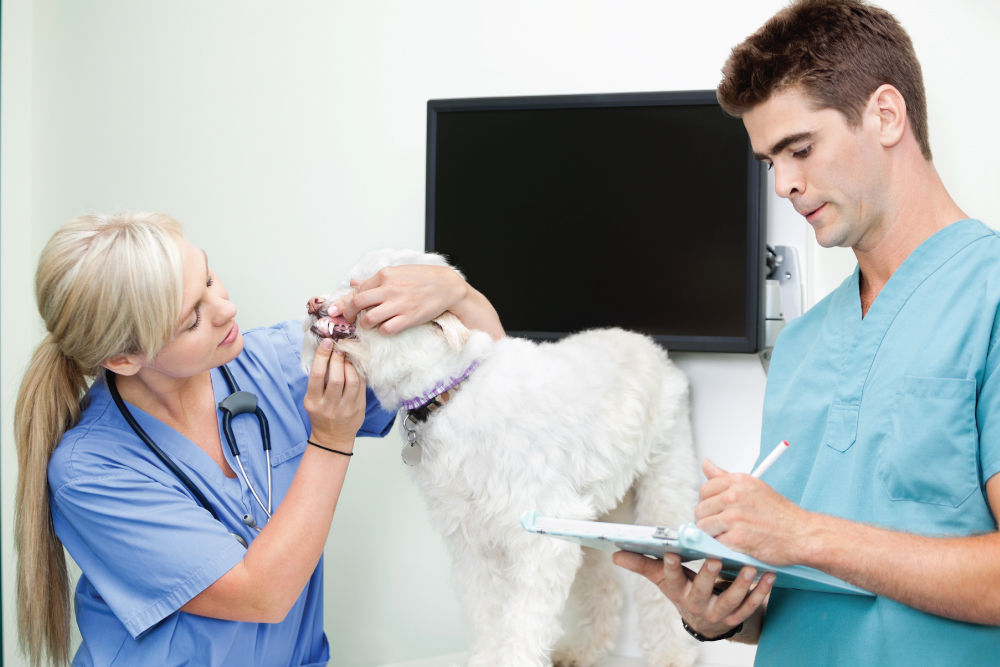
pixel 324 326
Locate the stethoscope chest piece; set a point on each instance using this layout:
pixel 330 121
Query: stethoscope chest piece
pixel 238 403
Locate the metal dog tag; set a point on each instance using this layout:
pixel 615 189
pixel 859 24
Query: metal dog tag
pixel 411 453
pixel 411 450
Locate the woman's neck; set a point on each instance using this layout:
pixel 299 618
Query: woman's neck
pixel 174 401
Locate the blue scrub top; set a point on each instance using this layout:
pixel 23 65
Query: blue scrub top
pixel 146 547
pixel 894 420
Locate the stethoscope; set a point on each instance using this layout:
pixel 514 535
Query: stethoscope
pixel 237 403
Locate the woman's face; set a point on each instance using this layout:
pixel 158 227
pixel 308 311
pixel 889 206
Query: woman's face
pixel 206 334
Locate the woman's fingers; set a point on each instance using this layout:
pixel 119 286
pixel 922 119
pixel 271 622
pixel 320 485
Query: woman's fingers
pixel 335 396
pixel 318 370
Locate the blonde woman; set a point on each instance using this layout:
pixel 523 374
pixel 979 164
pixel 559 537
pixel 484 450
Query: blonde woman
pixel 189 553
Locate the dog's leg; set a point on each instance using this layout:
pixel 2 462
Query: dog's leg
pixel 665 496
pixel 592 614
pixel 478 572
pixel 533 593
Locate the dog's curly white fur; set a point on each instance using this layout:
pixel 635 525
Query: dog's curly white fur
pixel 572 429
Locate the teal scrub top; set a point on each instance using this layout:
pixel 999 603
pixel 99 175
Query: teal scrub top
pixel 144 544
pixel 894 420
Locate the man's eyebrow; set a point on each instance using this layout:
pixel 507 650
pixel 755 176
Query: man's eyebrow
pixel 783 144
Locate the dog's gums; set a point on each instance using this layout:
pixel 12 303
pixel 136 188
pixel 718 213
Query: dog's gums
pixel 323 325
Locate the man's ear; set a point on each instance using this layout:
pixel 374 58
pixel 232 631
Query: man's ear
pixel 123 364
pixel 889 109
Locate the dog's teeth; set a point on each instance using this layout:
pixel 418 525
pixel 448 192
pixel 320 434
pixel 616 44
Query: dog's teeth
pixel 329 327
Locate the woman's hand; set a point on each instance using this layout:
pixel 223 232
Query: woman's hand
pixel 335 399
pixel 264 586
pixel 400 297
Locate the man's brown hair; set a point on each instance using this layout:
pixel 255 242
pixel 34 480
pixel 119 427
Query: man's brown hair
pixel 838 51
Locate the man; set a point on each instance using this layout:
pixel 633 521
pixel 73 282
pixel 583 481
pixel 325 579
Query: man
pixel 887 389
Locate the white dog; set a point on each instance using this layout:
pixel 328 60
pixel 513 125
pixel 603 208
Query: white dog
pixel 574 429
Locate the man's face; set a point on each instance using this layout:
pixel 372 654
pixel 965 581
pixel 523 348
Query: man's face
pixel 831 172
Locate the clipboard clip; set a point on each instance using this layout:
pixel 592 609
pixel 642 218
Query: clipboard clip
pixel 668 534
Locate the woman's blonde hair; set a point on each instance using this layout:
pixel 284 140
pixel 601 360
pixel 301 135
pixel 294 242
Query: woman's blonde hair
pixel 105 285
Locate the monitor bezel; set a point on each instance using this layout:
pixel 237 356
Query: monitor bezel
pixel 752 338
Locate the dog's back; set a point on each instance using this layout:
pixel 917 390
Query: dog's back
pixel 567 428
pixel 550 424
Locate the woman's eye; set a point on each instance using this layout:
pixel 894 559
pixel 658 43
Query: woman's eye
pixel 197 319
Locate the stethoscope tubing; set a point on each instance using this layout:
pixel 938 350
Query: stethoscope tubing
pixel 238 402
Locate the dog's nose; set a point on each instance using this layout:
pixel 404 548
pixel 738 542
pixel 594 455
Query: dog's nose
pixel 315 305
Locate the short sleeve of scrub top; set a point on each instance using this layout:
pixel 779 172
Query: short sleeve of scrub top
pixel 144 545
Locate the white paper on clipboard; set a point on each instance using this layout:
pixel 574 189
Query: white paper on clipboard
pixel 688 542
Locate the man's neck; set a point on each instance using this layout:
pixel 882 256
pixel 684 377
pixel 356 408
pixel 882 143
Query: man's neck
pixel 919 207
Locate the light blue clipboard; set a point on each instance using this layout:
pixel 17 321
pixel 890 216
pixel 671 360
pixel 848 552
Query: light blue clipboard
pixel 688 542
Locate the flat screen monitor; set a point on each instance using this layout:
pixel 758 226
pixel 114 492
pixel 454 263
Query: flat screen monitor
pixel 571 212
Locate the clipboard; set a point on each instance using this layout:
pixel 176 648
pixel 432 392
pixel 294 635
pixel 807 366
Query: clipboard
pixel 688 542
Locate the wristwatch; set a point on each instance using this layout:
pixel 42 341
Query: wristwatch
pixel 702 638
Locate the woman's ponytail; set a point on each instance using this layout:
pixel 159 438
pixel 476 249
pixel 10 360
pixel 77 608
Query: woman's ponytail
pixel 48 403
pixel 121 276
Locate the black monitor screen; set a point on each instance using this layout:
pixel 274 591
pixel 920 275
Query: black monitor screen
pixel 640 211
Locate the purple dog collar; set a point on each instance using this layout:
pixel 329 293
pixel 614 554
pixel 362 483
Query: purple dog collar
pixel 440 388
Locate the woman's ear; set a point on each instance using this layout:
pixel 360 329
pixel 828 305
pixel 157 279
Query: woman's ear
pixel 889 107
pixel 123 364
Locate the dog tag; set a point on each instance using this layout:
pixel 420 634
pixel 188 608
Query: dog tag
pixel 411 450
pixel 411 453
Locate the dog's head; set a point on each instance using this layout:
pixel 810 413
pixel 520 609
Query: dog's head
pixel 404 365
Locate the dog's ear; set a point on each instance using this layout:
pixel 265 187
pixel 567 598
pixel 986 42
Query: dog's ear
pixel 452 330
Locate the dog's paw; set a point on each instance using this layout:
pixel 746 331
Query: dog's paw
pixel 565 662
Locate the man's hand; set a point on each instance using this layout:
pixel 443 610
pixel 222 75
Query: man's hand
pixel 747 515
pixel 704 609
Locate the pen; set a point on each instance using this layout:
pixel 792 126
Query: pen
pixel 771 458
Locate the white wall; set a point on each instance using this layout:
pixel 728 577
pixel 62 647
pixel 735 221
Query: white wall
pixel 289 138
